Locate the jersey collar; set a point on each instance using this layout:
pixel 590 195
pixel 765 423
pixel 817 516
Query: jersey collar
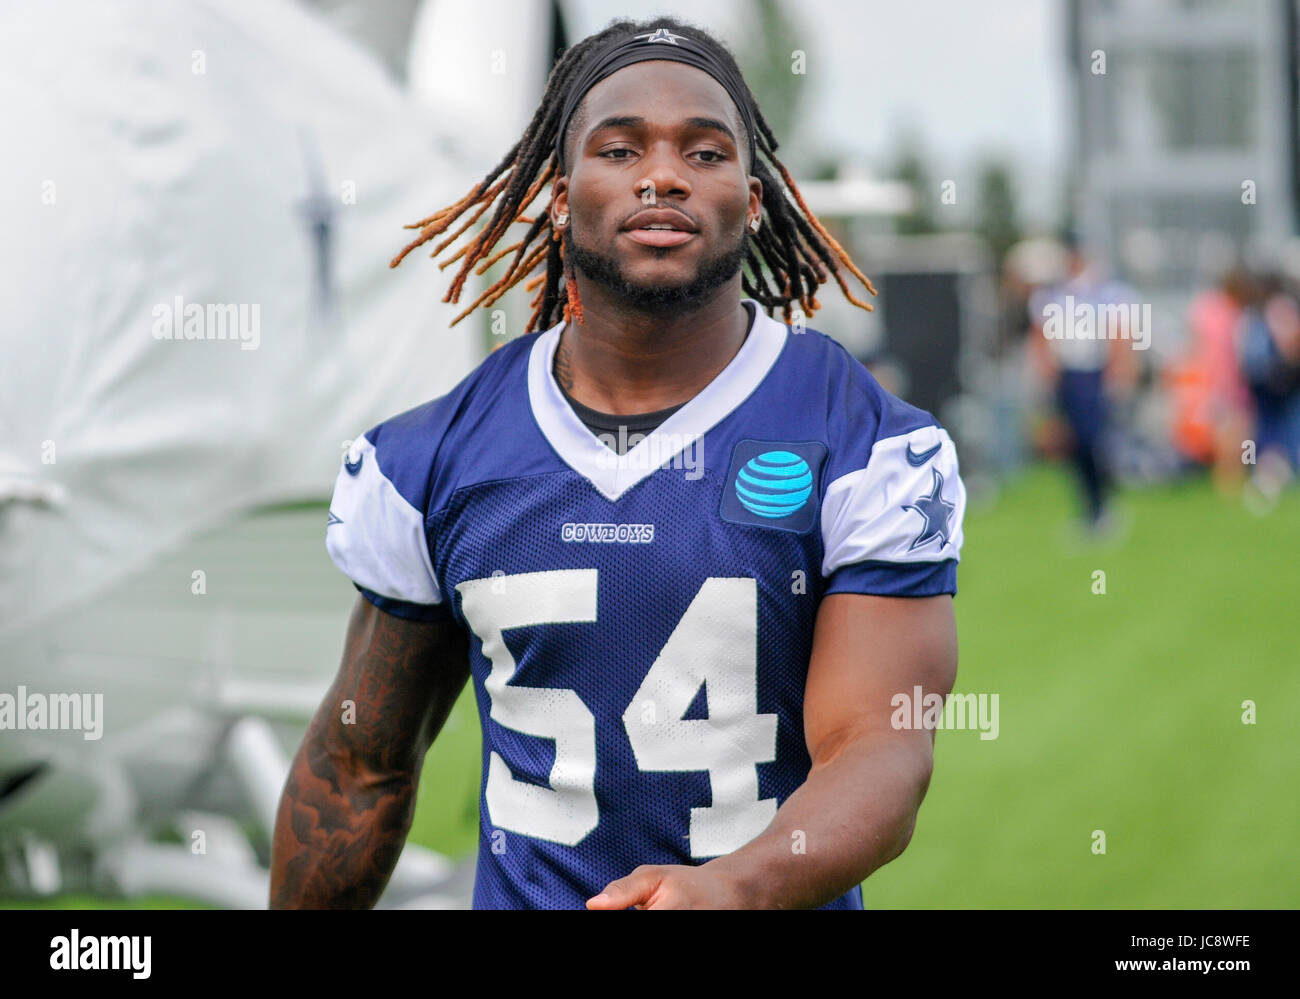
pixel 614 474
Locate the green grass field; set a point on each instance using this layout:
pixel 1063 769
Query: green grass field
pixel 1119 712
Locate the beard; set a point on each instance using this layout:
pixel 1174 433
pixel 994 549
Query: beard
pixel 659 297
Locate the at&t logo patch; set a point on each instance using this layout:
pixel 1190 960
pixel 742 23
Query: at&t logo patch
pixel 773 484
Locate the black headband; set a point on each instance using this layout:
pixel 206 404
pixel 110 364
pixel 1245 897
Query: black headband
pixel 660 44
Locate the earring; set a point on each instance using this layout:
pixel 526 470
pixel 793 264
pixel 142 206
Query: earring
pixel 754 223
pixel 562 218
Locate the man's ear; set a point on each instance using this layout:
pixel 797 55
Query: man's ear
pixel 559 197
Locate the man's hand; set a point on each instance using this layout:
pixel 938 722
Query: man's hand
pixel 671 886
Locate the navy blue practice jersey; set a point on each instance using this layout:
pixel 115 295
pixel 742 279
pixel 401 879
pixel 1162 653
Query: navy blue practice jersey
pixel 641 624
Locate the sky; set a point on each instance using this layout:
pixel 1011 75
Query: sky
pixel 968 79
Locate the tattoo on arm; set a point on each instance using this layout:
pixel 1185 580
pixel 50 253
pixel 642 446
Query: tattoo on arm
pixel 348 802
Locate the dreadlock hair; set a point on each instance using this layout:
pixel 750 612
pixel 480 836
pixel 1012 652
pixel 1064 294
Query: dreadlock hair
pixel 792 245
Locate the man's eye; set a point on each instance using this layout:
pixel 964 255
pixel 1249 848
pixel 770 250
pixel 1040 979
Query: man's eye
pixel 610 152
pixel 713 152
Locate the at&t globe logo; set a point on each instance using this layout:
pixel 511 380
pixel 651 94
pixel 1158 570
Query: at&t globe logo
pixel 774 484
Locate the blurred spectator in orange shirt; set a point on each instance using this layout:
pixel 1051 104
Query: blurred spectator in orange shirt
pixel 1213 405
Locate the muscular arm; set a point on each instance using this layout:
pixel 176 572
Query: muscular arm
pixel 857 808
pixel 347 805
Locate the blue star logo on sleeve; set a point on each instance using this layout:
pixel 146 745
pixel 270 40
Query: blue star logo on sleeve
pixel 936 512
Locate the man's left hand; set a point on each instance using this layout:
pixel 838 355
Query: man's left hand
pixel 671 886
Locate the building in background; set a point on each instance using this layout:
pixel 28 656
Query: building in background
pixel 1185 141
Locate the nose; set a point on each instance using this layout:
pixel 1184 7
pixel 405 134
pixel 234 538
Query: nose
pixel 662 175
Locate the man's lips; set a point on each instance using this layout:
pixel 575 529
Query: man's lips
pixel 658 237
pixel 680 227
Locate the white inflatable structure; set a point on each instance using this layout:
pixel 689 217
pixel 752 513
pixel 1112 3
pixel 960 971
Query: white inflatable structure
pixel 201 202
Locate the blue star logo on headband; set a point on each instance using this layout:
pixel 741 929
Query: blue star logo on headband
pixel 662 35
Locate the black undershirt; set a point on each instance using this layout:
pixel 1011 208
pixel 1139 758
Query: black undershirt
pixel 606 426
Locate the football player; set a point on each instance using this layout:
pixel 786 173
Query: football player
pixel 687 554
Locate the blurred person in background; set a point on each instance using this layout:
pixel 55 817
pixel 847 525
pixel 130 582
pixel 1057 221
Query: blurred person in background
pixel 1268 346
pixel 1213 408
pixel 1085 373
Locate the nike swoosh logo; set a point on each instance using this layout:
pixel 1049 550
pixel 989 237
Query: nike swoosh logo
pixel 333 519
pixel 917 460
